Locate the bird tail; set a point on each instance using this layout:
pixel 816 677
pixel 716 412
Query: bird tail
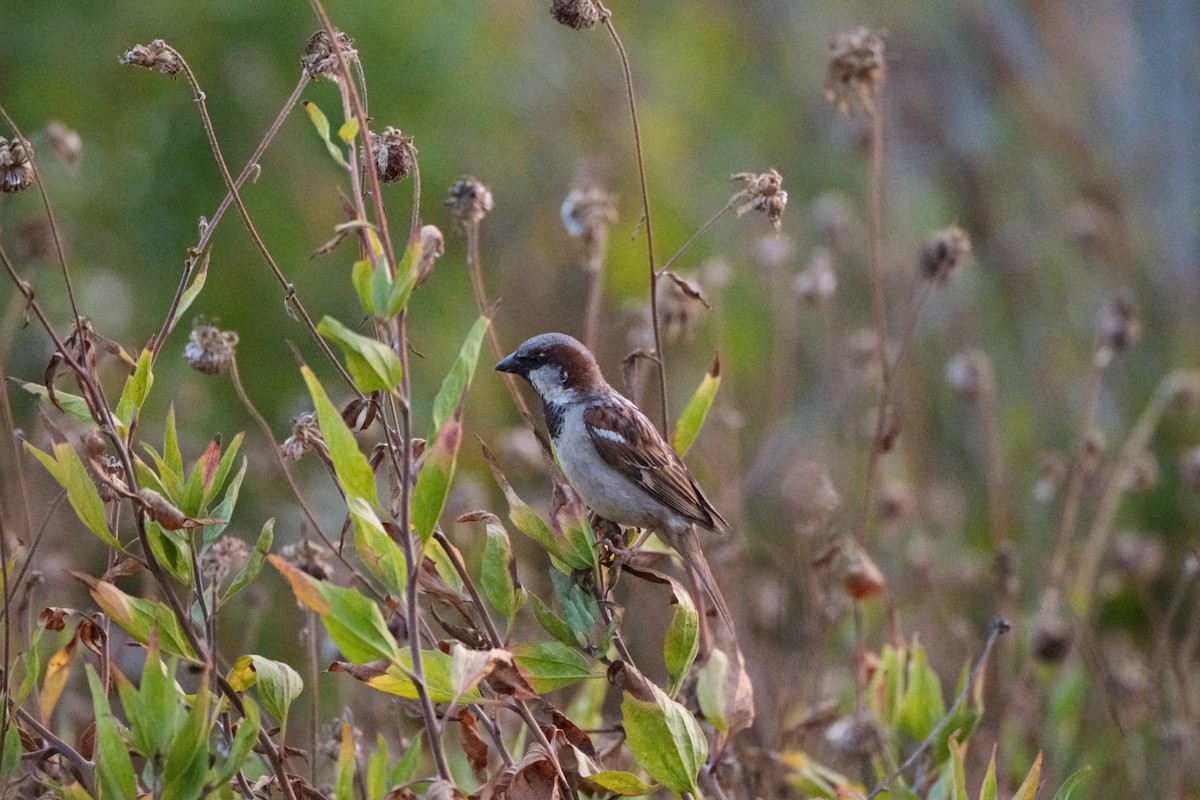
pixel 688 545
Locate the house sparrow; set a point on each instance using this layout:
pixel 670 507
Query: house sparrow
pixel 612 454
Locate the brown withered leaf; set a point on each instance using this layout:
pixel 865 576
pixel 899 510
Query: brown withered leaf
pixel 442 790
pixel 431 583
pixel 122 569
pixel 532 778
pixel 574 733
pixel 87 741
pixel 626 677
pixel 474 639
pixel 53 618
pixel 91 635
pixel 473 744
pixel 689 289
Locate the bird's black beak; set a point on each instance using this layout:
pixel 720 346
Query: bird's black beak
pixel 509 364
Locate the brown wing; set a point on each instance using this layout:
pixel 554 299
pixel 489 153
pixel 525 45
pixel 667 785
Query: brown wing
pixel 628 442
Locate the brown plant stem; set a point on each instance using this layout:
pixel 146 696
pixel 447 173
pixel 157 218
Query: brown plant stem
pixel 637 144
pixel 85 770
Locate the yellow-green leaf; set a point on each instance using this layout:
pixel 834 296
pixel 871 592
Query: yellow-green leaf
pixel 371 363
pixel 74 405
pixel 625 784
pixel 67 469
pixel 138 617
pixel 348 130
pixel 548 665
pixel 278 684
pixel 351 467
pixel 449 396
pixel 682 641
pixel 433 482
pixel 321 123
pixel 114 768
pixel 137 389
pixel 1029 786
pixel 665 740
pixel 694 413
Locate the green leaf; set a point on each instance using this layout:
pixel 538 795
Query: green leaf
pixel 553 624
pixel 154 711
pixel 255 563
pixel 278 684
pixel 625 784
pixel 682 642
pixel 10 755
pixel 115 779
pixel 172 550
pixel 172 457
pixel 579 607
pixel 348 130
pixel 694 413
pixel 956 776
pixel 433 482
pixel 548 665
pixel 497 572
pixel 1067 790
pixel 240 748
pixel 354 622
pixel 1029 787
pixel 406 767
pixel 923 706
pixel 406 278
pixel 216 482
pixel 371 363
pixel 353 471
pixel 377 783
pixel 74 405
pixel 396 676
pixel 321 123
pixel 137 389
pixel 449 396
pixel 191 292
pixel 186 765
pixel 138 617
pixel 343 788
pixel 224 511
pixel 378 552
pixel 665 740
pixel 987 790
pixel 69 472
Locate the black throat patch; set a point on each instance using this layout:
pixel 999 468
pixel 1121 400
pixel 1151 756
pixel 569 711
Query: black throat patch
pixel 554 419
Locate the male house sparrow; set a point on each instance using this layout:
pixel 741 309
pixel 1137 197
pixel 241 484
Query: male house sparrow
pixel 612 454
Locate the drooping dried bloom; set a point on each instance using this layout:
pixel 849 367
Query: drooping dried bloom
pixel 581 15
pixel 228 555
pixel 433 247
pixel 817 283
pixel 1118 324
pixel 968 374
pixel 469 201
pixel 856 69
pixel 308 557
pixel 305 436
pixel 1053 636
pixel 863 579
pixel 763 192
pixel 209 349
pixel 588 212
pixel 110 479
pixel 16 166
pixel 66 143
pixel 393 153
pixel 680 305
pixel 157 55
pixel 319 59
pixel 944 252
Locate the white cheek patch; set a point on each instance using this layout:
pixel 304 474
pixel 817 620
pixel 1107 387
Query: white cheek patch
pixel 548 380
pixel 612 436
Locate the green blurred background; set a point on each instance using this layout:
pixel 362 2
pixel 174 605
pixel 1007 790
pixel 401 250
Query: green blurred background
pixel 1061 136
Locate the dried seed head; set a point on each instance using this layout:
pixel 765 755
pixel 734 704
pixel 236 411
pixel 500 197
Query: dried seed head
pixel 110 479
pixel 228 555
pixel 393 153
pixel 856 69
pixel 319 59
pixel 433 247
pixel 762 192
pixel 209 350
pixel 1118 324
pixel 1053 636
pixel 1138 557
pixel 817 283
pixel 1051 474
pixel 157 55
pixel 863 579
pixel 588 212
pixel 308 557
pixel 968 374
pixel 1189 469
pixel 810 495
pixel 16 165
pixel 469 201
pixel 944 252
pixel 581 15
pixel 855 737
pixel 360 413
pixel 305 436
pixel 93 443
pixel 66 144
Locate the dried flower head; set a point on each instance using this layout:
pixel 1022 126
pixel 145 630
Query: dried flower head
pixel 16 165
pixel 855 736
pixel 393 153
pixel 762 192
pixel 1117 323
pixel 680 306
pixel 469 201
pixel 968 374
pixel 319 59
pixel 433 247
pixel 1053 636
pixel 157 55
pixel 209 349
pixel 66 144
pixel 944 252
pixel 305 436
pixel 817 282
pixel 588 212
pixel 228 555
pixel 309 557
pixel 581 15
pixel 110 479
pixel 856 69
pixel 863 580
